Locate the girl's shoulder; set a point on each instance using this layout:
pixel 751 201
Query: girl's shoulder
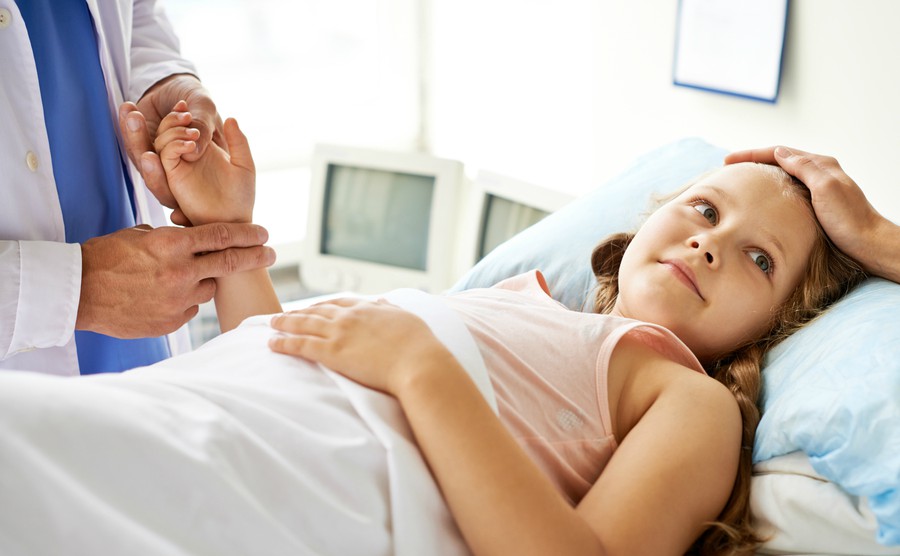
pixel 531 283
pixel 652 339
pixel 679 435
pixel 641 375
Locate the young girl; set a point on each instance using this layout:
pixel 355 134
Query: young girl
pixel 624 432
pixel 609 436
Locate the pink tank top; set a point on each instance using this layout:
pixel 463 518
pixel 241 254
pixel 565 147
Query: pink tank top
pixel 548 367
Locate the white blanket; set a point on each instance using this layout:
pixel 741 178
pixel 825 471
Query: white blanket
pixel 231 449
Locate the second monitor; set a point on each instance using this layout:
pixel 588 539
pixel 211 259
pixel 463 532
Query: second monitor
pixel 498 208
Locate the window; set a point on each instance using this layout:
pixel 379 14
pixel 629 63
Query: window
pixel 511 88
pixel 295 73
pixel 503 85
pixel 298 72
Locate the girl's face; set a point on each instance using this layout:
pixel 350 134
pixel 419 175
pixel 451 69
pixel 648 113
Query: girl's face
pixel 714 264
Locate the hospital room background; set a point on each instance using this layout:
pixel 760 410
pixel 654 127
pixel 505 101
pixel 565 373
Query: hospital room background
pixel 454 144
pixel 564 94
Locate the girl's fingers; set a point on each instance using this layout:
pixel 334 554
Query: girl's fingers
pixel 328 308
pixel 341 302
pixel 301 323
pixel 175 133
pixel 171 153
pixel 173 120
pixel 308 347
pixel 175 142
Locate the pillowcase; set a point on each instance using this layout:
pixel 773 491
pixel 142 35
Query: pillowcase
pixel 831 390
pixel 560 245
pixel 798 511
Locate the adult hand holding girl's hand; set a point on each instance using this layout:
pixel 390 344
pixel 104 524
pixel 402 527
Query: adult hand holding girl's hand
pixel 376 344
pixel 220 186
pixel 139 123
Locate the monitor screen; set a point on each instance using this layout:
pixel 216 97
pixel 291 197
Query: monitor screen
pixel 377 216
pixel 503 218
pixel 380 220
pixel 497 208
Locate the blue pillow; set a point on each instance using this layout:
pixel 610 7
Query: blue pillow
pixel 560 245
pixel 832 390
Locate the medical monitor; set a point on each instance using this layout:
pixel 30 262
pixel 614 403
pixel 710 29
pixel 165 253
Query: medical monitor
pixel 500 207
pixel 380 220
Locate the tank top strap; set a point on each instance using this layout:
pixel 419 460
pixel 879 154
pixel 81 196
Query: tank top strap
pixel 654 336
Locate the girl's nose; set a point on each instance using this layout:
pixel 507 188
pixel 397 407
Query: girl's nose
pixel 707 248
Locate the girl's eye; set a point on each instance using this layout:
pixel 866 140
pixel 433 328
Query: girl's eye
pixel 708 212
pixel 762 260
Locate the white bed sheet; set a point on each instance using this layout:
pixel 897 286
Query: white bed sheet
pixel 805 514
pixel 233 449
pixel 230 449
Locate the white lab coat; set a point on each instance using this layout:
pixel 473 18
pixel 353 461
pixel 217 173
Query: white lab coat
pixel 40 275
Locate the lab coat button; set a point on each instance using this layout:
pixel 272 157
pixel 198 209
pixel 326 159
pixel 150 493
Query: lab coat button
pixel 32 160
pixel 5 18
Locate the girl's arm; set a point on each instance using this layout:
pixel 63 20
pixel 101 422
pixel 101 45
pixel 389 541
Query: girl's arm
pixel 220 186
pixel 672 473
pixel 243 295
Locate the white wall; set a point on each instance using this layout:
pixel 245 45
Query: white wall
pixel 840 91
pixel 510 88
pixel 567 93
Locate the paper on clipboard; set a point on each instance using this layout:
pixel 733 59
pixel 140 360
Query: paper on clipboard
pixel 731 46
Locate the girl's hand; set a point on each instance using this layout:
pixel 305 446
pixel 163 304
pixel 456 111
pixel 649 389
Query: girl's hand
pixel 376 344
pixel 220 186
pixel 139 124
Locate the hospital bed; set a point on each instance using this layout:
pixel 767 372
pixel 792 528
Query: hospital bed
pixel 827 452
pixel 196 456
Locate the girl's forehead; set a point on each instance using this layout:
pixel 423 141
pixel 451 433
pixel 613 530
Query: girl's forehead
pixel 765 192
pixel 744 173
pixel 748 180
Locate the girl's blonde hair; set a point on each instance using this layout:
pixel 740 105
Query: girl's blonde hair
pixel 829 275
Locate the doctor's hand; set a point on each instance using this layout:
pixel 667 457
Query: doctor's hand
pixel 139 123
pixel 143 282
pixel 841 207
pixel 376 344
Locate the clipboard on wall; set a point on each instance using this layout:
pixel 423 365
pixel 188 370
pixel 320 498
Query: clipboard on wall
pixel 733 47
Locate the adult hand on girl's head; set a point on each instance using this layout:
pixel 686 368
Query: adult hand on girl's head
pixel 376 344
pixel 139 122
pixel 848 218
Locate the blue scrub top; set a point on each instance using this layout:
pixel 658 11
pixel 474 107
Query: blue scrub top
pixel 94 189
